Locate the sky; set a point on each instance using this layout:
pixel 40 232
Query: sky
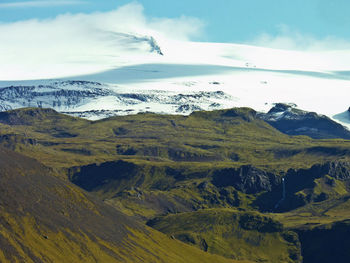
pixel 238 21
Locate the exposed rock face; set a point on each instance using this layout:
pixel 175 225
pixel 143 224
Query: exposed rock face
pixel 336 169
pixel 187 108
pixel 247 179
pixel 58 95
pixel 300 184
pixel 292 121
pixel 92 176
pixel 154 46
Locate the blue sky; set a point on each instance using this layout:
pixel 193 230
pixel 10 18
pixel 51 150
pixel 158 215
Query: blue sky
pixel 224 20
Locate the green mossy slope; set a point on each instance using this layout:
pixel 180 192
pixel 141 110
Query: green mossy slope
pixel 228 138
pixel 45 219
pixel 198 175
pixel 233 234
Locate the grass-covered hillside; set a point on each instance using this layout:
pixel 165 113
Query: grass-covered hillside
pixel 220 138
pixel 45 219
pixel 233 234
pixel 212 179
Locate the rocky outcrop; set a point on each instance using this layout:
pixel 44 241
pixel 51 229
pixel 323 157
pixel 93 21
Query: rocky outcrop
pixel 337 169
pixel 247 179
pixel 188 107
pixel 93 176
pixel 292 121
pixel 300 184
pixel 303 186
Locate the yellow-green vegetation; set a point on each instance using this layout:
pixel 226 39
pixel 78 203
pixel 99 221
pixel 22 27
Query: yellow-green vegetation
pixel 224 138
pixel 46 219
pixel 315 214
pixel 165 154
pixel 233 234
pixel 24 240
pixel 157 248
pixel 183 196
pixel 176 169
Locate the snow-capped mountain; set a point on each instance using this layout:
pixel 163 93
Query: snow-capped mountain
pixel 178 77
pixel 95 100
pixel 293 121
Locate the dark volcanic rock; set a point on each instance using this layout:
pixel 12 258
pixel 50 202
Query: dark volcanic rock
pixel 292 121
pixel 188 107
pixel 336 169
pixel 93 176
pixel 247 179
pixel 299 185
pixel 304 180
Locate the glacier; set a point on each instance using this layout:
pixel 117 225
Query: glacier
pixel 178 77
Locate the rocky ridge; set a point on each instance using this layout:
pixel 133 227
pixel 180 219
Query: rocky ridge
pixel 293 121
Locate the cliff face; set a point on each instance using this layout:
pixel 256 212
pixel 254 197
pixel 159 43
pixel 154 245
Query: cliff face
pixel 247 179
pixel 316 184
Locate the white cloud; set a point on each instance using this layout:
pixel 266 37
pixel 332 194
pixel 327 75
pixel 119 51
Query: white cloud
pixel 290 39
pixel 81 43
pixel 40 3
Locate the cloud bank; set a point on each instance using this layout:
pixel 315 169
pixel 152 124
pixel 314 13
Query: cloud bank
pixel 73 44
pixel 290 39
